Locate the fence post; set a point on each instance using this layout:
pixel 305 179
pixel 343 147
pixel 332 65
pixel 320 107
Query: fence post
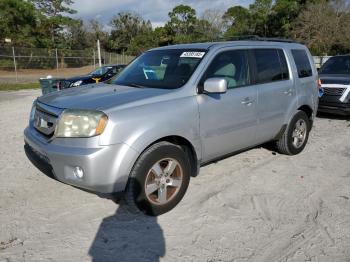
pixel 56 61
pixel 14 62
pixel 93 50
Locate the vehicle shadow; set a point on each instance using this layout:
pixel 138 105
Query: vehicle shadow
pixel 333 116
pixel 127 236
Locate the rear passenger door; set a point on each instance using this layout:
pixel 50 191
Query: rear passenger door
pixel 275 90
pixel 228 121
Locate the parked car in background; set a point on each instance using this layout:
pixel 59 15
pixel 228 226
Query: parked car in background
pixel 100 74
pixel 172 110
pixel 335 82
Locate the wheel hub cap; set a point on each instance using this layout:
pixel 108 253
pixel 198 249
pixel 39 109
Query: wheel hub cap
pixel 163 181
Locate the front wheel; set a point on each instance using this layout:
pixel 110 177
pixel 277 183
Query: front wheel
pixel 296 135
pixel 159 179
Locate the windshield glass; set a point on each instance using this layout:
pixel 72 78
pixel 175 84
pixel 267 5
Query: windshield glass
pixel 168 69
pixel 101 70
pixel 336 65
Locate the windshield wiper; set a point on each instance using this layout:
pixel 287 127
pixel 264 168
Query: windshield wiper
pixel 135 85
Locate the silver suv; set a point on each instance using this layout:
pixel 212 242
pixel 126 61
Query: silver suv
pixel 170 111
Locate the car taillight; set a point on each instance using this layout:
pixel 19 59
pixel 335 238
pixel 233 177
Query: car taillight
pixel 319 84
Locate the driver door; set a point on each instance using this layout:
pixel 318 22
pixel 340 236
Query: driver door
pixel 228 121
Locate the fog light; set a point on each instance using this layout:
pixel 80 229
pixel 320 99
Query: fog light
pixel 78 172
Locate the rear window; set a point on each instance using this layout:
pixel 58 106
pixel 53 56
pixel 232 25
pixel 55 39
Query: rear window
pixel 302 62
pixel 271 65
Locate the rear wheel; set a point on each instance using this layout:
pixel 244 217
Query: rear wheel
pixel 159 179
pixel 296 135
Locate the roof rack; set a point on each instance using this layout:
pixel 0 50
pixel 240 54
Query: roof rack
pixel 258 38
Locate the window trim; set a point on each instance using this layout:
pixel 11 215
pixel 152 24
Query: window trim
pixel 296 66
pixel 255 68
pixel 200 85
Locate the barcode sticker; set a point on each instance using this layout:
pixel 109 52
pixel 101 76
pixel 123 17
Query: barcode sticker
pixel 193 54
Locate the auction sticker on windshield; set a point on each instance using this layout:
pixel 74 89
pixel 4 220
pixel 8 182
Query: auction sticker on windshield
pixel 193 54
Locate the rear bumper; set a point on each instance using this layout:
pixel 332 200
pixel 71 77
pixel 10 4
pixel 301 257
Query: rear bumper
pixel 106 168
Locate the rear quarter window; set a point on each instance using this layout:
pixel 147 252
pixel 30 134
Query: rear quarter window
pixel 302 63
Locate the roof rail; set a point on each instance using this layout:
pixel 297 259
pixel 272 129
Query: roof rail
pixel 258 38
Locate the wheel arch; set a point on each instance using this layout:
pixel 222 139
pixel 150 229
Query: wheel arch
pixel 186 145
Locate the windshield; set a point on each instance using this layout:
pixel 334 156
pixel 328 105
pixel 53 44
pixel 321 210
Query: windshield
pixel 167 69
pixel 336 65
pixel 100 71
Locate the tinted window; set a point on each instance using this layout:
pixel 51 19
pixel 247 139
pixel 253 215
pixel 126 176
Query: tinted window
pixel 336 65
pixel 231 65
pixel 302 62
pixel 271 65
pixel 165 69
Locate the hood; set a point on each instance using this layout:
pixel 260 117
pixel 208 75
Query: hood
pixel 77 78
pixel 100 96
pixel 335 79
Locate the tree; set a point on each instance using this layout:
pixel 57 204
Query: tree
pixel 77 36
pixel 211 25
pixel 238 22
pixel 323 26
pixel 182 23
pixel 125 27
pixel 54 19
pixel 260 11
pixel 18 22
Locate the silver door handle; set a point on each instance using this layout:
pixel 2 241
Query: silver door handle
pixel 288 92
pixel 247 101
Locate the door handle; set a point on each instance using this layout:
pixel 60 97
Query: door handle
pixel 247 101
pixel 289 92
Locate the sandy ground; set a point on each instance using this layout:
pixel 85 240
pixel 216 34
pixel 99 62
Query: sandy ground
pixel 255 206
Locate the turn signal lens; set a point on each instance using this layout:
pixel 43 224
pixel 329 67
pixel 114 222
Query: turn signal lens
pixel 319 83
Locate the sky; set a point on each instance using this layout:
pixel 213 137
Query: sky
pixel 154 10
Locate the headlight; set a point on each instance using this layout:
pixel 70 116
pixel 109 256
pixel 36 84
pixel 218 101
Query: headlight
pixel 32 112
pixel 77 83
pixel 81 123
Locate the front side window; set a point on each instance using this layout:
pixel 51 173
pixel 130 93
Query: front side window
pixel 302 62
pixel 166 69
pixel 271 65
pixel 336 65
pixel 231 65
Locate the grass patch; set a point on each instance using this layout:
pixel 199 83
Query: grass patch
pixel 18 86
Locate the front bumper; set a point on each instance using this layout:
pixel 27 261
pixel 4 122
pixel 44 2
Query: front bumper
pixel 334 109
pixel 106 168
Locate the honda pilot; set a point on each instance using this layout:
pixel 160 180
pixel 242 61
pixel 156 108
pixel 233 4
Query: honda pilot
pixel 170 111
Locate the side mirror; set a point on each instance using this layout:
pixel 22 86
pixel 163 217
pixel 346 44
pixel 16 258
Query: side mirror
pixel 215 85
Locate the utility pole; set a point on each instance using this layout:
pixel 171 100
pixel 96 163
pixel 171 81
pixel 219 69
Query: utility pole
pixel 99 53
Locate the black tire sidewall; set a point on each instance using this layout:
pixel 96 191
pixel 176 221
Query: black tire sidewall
pixel 291 147
pixel 142 167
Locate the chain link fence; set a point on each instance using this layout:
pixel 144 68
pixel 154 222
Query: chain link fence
pixel 30 64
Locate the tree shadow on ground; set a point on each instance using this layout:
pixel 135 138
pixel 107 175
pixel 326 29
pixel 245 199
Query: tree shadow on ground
pixel 126 236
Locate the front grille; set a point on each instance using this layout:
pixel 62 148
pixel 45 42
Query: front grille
pixel 45 120
pixel 334 91
pixel 65 84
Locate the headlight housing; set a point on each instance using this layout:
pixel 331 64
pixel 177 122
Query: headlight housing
pixel 77 83
pixel 32 112
pixel 81 123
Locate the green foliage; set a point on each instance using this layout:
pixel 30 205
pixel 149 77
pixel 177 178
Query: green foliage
pixel 238 20
pixel 125 27
pixel 18 86
pixel 18 22
pixel 321 24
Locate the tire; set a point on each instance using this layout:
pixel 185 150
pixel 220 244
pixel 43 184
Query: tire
pixel 287 143
pixel 149 173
